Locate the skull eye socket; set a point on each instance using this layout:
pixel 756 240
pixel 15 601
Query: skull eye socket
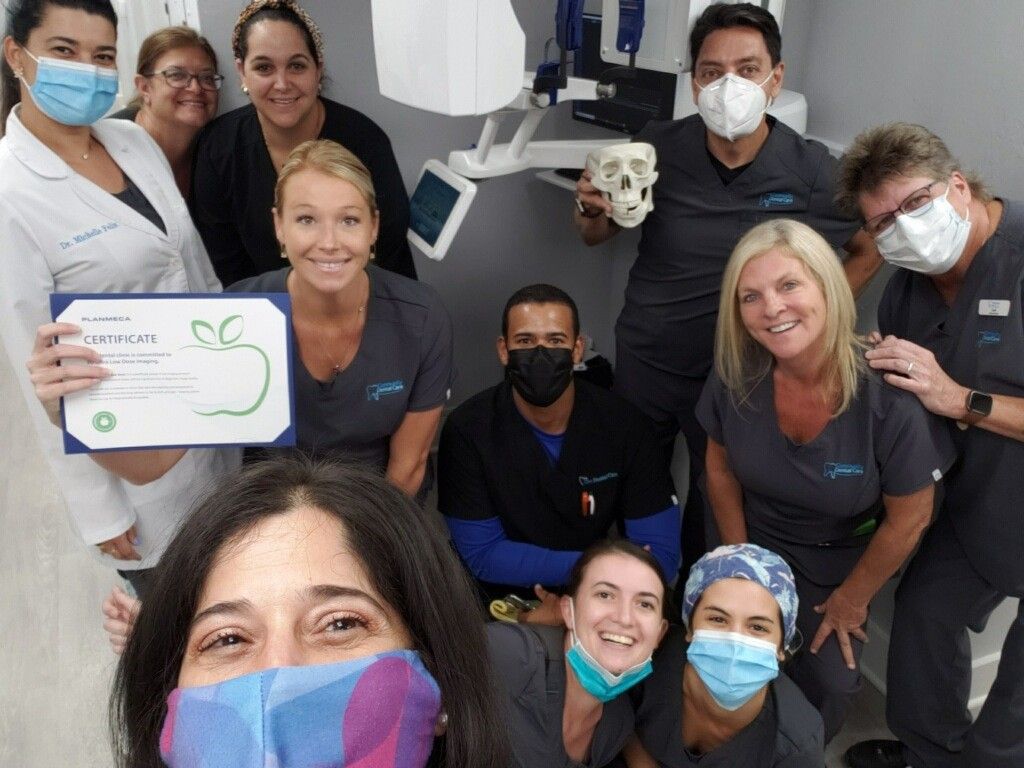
pixel 610 170
pixel 638 166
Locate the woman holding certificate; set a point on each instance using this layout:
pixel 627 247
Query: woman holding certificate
pixel 90 205
pixel 372 349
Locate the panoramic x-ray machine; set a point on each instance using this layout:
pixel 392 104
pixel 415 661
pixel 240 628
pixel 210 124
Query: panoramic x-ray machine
pixel 467 57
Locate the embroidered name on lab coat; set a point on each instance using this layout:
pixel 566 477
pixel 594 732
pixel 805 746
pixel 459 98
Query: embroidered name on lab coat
pixel 89 234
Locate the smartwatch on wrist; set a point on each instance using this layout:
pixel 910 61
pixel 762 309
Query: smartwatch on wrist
pixel 591 214
pixel 979 403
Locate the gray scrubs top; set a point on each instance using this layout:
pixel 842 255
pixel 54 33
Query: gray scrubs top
pixel 404 363
pixel 786 734
pixel 807 501
pixel 668 320
pixel 979 342
pixel 529 664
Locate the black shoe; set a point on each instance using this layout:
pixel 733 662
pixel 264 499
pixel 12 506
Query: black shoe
pixel 876 753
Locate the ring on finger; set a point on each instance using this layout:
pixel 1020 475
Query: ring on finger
pixel 910 367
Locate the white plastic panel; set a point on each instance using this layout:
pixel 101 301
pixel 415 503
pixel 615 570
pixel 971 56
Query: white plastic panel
pixel 452 57
pixel 665 45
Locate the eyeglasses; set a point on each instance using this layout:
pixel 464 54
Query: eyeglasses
pixel 914 204
pixel 180 78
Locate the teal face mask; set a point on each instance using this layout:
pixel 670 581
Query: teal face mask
pixel 595 679
pixel 70 92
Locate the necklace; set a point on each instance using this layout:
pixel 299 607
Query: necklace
pixel 88 149
pixel 335 360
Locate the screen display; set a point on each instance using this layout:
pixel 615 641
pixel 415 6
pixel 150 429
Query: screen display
pixel 430 207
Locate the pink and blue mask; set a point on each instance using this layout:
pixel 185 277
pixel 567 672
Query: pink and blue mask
pixel 374 712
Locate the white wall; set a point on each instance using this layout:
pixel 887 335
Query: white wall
pixel 945 64
pixel 519 229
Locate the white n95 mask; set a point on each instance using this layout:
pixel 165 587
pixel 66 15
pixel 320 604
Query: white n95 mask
pixel 732 106
pixel 625 174
pixel 929 241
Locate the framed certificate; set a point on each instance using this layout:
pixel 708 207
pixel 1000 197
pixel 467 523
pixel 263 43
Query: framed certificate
pixel 187 370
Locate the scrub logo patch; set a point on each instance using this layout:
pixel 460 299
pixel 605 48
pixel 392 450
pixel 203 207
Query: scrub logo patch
pixel 834 470
pixel 986 338
pixel 775 199
pixel 585 480
pixel 376 391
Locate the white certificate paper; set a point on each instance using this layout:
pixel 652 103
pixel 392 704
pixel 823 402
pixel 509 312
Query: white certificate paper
pixel 187 370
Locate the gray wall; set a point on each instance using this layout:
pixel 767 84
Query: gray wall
pixel 946 64
pixel 519 229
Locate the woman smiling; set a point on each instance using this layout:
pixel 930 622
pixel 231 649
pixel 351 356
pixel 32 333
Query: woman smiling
pixel 279 57
pixel 809 454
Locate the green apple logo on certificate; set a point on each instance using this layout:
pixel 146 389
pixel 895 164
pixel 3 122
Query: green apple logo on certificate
pixel 187 370
pixel 246 392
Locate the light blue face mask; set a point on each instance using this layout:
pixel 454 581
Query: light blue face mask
pixel 733 667
pixel 595 679
pixel 70 92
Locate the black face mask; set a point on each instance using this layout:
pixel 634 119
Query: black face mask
pixel 540 374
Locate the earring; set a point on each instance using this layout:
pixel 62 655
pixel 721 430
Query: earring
pixel 19 73
pixel 284 253
pixel 245 89
pixel 373 251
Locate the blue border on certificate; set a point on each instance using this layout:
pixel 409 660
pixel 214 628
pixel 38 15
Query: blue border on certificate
pixel 61 301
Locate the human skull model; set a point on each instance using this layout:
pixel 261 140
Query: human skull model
pixel 625 173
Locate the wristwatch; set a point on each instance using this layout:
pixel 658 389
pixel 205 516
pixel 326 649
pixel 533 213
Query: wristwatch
pixel 979 403
pixel 591 214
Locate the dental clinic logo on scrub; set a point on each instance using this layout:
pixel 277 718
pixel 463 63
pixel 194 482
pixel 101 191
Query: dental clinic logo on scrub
pixel 986 338
pixel 234 377
pixel 775 199
pixel 835 470
pixel 376 391
pixel 104 421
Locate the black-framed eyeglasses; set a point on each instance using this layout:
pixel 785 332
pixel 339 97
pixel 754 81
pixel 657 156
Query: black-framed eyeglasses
pixel 181 78
pixel 914 204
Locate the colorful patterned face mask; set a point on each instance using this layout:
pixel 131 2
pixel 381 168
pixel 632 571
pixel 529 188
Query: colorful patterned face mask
pixel 374 712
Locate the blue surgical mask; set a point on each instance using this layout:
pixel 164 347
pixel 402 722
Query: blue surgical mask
pixel 733 667
pixel 376 711
pixel 70 92
pixel 595 679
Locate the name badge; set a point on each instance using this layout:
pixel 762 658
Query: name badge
pixel 994 307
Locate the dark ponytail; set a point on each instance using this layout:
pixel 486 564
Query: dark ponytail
pixel 22 17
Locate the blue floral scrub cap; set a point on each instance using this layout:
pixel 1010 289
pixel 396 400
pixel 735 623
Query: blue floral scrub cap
pixel 745 561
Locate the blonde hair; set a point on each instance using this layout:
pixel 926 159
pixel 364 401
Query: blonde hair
pixel 897 149
pixel 162 41
pixel 330 158
pixel 741 362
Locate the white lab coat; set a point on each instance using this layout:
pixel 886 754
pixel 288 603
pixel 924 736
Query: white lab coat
pixel 44 205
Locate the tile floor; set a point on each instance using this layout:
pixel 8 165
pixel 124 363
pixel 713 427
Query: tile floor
pixel 55 666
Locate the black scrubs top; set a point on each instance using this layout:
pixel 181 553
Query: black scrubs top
pixel 233 191
pixel 807 501
pixel 668 320
pixel 490 464
pixel 529 664
pixel 979 343
pixel 786 734
pixel 404 363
